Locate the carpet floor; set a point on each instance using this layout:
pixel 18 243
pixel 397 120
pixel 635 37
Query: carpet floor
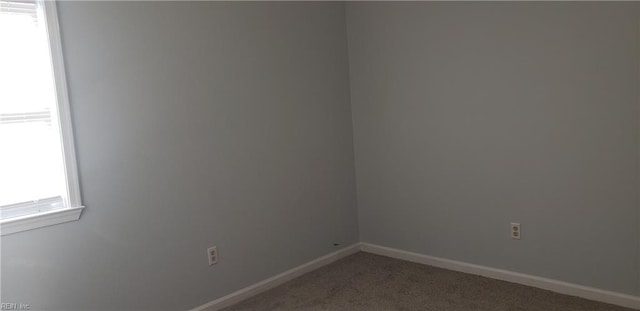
pixel 369 282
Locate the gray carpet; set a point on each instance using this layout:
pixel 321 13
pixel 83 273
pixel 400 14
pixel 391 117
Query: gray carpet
pixel 369 282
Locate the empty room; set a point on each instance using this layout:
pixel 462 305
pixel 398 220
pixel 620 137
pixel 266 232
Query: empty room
pixel 319 155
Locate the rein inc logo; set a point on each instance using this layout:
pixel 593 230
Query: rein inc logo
pixel 14 306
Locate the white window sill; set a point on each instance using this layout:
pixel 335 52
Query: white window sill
pixel 33 221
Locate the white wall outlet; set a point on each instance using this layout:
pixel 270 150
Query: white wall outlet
pixel 516 233
pixel 212 253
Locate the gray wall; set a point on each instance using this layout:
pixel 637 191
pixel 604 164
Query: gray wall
pixel 196 124
pixel 229 124
pixel 468 116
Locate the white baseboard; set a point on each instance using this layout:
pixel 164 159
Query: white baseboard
pixel 566 288
pixel 279 279
pixel 586 292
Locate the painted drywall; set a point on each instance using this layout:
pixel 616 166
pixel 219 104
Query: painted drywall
pixel 229 124
pixel 468 116
pixel 196 124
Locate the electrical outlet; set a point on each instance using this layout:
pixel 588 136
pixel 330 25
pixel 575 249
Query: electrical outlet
pixel 516 233
pixel 212 253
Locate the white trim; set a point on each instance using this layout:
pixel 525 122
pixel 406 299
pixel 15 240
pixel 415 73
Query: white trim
pixel 561 287
pixel 62 97
pixel 566 288
pixel 72 200
pixel 272 282
pixel 32 221
pixel 32 207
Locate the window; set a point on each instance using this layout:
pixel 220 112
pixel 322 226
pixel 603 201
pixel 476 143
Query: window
pixel 38 175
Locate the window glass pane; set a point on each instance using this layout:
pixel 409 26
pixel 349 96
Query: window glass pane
pixel 31 162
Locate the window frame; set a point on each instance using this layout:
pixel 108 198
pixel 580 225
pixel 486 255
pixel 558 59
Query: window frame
pixel 37 219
